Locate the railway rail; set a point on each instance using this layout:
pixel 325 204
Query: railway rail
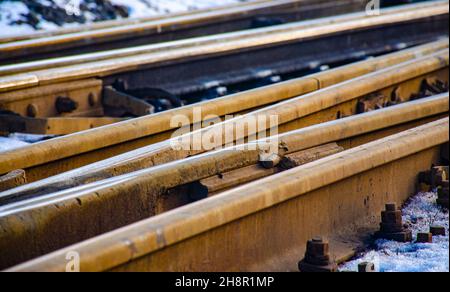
pixel 59 155
pixel 74 97
pixel 142 194
pixel 138 32
pixel 402 151
pixel 68 203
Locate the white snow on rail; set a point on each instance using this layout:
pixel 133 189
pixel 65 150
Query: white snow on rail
pixel 9 144
pixel 388 256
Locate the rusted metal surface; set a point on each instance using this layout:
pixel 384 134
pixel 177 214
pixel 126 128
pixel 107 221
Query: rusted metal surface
pixel 391 226
pixel 166 77
pixel 224 181
pixel 73 212
pixel 168 29
pixel 317 257
pixel 306 156
pixel 314 108
pixel 191 238
pixel 44 99
pixel 51 126
pixel 63 154
pixel 109 24
pixel 437 230
pixel 12 180
pixel 233 37
pixel 366 38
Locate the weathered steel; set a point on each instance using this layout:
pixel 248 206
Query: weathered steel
pixel 306 156
pixel 317 257
pixel 224 181
pixel 418 26
pixel 80 213
pixel 109 24
pixel 168 29
pixel 314 108
pixel 126 103
pixel 51 126
pixel 86 93
pixel 58 62
pixel 391 226
pixel 66 153
pixel 12 180
pixel 332 193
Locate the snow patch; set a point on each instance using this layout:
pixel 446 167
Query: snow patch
pixel 9 144
pixel 420 213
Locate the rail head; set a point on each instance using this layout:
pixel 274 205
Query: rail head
pixel 226 37
pixel 41 152
pixel 143 238
pixel 259 38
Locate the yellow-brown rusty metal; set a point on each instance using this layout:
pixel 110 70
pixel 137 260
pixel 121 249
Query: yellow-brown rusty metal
pixel 177 23
pixel 313 108
pixel 228 38
pixel 259 38
pixel 12 180
pixel 114 23
pixel 80 213
pixel 333 196
pixel 59 155
pixel 52 126
pixel 87 94
pixel 228 180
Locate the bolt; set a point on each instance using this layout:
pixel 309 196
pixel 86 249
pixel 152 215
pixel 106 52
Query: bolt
pixel 32 110
pixel 437 230
pixel 391 207
pixel 424 238
pixel 366 267
pixel 92 99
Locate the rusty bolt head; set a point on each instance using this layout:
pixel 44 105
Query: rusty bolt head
pixel 391 216
pixel 437 230
pixel 317 248
pixel 32 110
pixel 317 239
pixel 92 99
pixel 391 207
pixel 424 238
pixel 366 267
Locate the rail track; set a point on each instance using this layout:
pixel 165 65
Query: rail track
pixel 120 34
pixel 70 96
pixel 68 203
pixel 59 155
pixel 138 195
pixel 334 194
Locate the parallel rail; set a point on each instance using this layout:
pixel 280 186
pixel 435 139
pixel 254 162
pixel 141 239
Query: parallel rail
pixel 207 40
pixel 126 198
pixel 191 238
pixel 62 205
pixel 66 153
pixel 226 19
pixel 324 105
pixel 417 25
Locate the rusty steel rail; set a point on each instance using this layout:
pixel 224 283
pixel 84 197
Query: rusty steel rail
pixel 95 86
pixel 334 196
pixel 402 82
pixel 431 18
pixel 234 18
pixel 59 155
pixel 112 23
pixel 143 194
pixel 230 37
